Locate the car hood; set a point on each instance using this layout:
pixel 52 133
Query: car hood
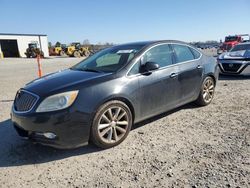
pixel 61 80
pixel 243 54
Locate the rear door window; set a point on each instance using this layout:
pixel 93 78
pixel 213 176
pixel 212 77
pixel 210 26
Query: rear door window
pixel 183 53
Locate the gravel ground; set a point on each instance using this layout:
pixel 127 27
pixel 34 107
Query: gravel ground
pixel 187 147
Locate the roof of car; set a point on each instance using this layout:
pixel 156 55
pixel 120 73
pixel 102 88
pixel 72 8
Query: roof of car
pixel 146 43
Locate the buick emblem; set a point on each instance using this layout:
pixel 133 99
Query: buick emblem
pixel 231 65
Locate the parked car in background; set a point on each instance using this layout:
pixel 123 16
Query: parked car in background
pixel 206 45
pixel 236 61
pixel 231 41
pixel 100 98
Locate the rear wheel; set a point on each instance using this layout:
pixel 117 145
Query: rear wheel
pixel 76 54
pixel 42 54
pixel 111 124
pixel 207 92
pixel 33 55
pixel 86 53
pixel 62 53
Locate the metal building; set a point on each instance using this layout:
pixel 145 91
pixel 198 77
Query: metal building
pixel 15 45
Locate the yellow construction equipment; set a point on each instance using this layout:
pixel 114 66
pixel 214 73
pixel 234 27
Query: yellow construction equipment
pixel 33 51
pixel 76 50
pixel 58 50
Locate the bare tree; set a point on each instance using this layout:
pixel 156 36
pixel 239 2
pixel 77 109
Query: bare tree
pixel 86 42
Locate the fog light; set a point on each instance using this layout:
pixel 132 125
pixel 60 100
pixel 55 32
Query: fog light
pixel 49 135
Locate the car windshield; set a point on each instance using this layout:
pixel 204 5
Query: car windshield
pixel 33 45
pixel 230 39
pixel 109 60
pixel 241 47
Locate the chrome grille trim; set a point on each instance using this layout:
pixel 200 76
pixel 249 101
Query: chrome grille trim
pixel 26 103
pixel 235 71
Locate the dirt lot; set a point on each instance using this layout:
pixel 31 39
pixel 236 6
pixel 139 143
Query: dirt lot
pixel 187 147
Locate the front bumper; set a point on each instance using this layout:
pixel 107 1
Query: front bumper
pixel 230 67
pixel 72 128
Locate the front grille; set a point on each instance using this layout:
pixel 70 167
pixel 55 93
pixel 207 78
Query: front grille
pixel 231 67
pixel 24 101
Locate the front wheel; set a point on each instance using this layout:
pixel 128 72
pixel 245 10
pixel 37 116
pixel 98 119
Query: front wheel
pixel 207 92
pixel 111 124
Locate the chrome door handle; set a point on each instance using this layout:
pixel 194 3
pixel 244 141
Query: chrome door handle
pixel 173 75
pixel 199 67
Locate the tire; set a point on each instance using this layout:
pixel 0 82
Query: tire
pixel 76 54
pixel 42 54
pixel 86 53
pixel 33 55
pixel 206 92
pixel 110 130
pixel 62 53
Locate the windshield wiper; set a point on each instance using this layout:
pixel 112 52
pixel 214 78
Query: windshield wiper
pixel 91 70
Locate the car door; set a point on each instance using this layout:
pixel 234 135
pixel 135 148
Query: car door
pixel 159 90
pixel 190 71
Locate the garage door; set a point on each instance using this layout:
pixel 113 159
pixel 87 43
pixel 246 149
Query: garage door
pixel 9 48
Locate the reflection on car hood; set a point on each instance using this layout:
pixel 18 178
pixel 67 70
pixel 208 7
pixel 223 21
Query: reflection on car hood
pixel 60 80
pixel 242 54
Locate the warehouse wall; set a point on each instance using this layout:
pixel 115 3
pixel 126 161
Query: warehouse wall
pixel 23 41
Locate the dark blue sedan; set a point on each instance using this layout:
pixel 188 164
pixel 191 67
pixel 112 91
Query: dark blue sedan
pixel 100 98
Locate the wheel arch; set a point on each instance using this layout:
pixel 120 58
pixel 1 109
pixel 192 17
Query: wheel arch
pixel 122 99
pixel 212 76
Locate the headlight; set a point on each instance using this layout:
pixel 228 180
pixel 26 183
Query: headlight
pixel 57 102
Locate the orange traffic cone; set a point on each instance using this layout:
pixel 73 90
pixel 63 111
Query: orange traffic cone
pixel 39 66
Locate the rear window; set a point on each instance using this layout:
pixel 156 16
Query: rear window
pixel 195 53
pixel 183 53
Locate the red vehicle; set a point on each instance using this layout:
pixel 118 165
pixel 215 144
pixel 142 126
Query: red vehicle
pixel 231 41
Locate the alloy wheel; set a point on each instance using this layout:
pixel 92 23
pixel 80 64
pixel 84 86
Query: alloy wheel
pixel 208 90
pixel 113 124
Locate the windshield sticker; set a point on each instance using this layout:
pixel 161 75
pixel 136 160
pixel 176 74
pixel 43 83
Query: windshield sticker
pixel 125 51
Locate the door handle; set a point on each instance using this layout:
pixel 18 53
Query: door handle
pixel 173 75
pixel 199 67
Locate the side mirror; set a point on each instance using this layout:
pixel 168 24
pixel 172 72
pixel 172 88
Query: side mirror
pixel 149 66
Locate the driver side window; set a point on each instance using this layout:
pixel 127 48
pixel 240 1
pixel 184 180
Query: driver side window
pixel 161 54
pixel 135 69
